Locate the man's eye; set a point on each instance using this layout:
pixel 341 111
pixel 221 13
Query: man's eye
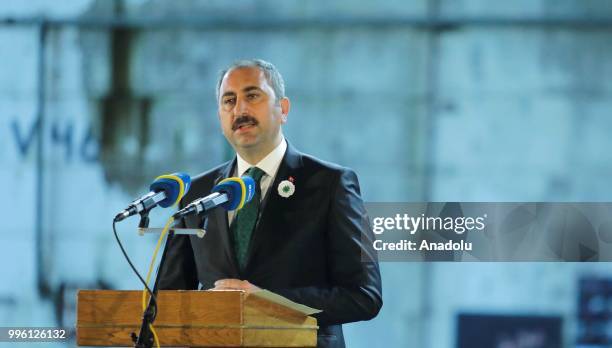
pixel 252 95
pixel 228 101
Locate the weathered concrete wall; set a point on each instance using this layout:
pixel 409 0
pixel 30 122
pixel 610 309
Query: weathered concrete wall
pixel 521 114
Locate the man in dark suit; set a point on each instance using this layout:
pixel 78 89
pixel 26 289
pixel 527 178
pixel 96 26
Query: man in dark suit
pixel 305 235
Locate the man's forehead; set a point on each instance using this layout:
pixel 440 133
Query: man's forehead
pixel 241 77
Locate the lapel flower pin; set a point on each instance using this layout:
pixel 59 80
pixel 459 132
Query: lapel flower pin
pixel 286 188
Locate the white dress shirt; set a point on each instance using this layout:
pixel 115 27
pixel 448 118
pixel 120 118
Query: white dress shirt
pixel 268 164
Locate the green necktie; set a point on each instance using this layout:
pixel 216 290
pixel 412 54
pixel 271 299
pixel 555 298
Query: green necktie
pixel 246 218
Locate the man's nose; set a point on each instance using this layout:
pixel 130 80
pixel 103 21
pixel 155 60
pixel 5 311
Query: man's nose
pixel 241 107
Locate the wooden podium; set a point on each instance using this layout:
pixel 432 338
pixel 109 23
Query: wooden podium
pixel 192 319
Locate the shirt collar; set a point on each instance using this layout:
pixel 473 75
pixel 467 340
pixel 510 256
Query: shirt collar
pixel 268 164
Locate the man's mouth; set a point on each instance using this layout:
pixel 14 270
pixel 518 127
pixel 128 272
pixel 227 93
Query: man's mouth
pixel 243 125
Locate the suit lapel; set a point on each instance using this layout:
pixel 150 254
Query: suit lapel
pixel 273 202
pixel 218 219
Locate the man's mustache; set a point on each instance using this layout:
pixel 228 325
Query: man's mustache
pixel 245 119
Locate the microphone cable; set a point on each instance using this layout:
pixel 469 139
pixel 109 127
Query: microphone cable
pixel 144 291
pixel 130 262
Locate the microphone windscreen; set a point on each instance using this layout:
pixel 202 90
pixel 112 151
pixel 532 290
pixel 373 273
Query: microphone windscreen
pixel 239 191
pixel 249 184
pixel 175 186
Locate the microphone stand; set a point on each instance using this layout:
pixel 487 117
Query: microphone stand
pixel 145 338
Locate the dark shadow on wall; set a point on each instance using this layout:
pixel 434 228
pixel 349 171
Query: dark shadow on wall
pixel 124 117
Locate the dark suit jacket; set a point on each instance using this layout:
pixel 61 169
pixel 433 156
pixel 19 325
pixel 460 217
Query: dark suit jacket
pixel 314 247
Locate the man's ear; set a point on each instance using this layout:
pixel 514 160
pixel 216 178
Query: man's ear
pixel 285 106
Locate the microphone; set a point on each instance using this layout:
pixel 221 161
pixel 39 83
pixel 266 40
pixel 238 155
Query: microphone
pixel 230 193
pixel 166 190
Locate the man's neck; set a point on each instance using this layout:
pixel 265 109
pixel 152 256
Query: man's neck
pixel 255 155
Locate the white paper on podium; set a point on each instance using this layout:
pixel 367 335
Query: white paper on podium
pixel 276 298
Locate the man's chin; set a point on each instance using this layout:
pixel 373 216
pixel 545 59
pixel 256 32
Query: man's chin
pixel 246 143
